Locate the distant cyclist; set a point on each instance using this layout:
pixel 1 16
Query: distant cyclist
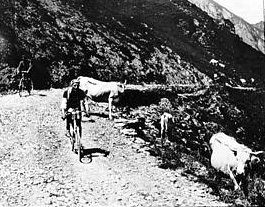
pixel 23 70
pixel 73 98
pixel 24 73
pixel 21 66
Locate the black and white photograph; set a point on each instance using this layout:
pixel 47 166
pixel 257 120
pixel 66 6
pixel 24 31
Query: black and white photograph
pixel 132 103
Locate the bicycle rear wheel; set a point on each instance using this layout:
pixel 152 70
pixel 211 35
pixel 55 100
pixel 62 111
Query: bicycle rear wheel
pixel 21 88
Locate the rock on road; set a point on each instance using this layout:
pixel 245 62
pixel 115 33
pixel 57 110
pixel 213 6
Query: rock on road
pixel 37 167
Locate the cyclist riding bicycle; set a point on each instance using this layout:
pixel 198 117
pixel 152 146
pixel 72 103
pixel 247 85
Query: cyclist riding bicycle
pixel 21 69
pixel 73 98
pixel 24 73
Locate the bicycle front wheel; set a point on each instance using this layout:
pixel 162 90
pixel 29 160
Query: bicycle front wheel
pixel 78 144
pixel 72 140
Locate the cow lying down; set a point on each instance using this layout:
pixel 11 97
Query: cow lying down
pixel 100 91
pixel 232 158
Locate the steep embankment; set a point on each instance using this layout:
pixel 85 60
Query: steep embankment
pixel 38 168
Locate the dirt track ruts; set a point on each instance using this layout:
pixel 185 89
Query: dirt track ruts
pixel 37 167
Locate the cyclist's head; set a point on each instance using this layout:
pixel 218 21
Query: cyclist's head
pixel 75 83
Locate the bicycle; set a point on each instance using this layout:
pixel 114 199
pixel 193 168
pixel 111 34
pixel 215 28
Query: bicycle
pixel 75 136
pixel 25 83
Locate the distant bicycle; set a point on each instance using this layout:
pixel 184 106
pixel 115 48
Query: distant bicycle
pixel 75 137
pixel 25 84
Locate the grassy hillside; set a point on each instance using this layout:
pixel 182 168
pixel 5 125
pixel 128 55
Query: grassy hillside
pixel 106 39
pixel 64 43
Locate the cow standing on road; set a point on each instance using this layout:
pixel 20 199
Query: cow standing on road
pixel 100 91
pixel 232 158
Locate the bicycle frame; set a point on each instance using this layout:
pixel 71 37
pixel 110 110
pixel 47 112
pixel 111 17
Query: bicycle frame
pixel 25 83
pixel 75 135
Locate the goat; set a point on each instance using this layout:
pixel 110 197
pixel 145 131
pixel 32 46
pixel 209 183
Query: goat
pixel 166 122
pixel 231 158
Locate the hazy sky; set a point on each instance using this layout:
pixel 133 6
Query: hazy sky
pixel 249 10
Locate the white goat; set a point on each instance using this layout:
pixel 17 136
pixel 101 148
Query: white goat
pixel 229 157
pixel 166 122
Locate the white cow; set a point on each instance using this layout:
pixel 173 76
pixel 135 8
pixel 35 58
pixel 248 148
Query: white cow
pixel 214 62
pixel 166 121
pixel 101 91
pixel 230 157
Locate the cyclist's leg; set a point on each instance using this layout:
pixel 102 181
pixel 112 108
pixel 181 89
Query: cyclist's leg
pixel 78 122
pixel 28 85
pixel 30 82
pixel 20 82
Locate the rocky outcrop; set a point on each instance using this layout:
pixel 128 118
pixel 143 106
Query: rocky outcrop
pixel 252 35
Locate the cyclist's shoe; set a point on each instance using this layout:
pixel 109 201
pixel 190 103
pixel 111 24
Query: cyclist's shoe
pixel 63 116
pixel 76 148
pixel 68 134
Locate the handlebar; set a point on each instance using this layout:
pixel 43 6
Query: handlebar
pixel 73 112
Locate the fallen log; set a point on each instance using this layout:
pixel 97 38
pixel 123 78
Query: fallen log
pixel 195 94
pixel 241 88
pixel 160 87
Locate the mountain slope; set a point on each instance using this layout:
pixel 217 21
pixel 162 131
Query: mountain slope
pixel 249 34
pixel 259 25
pixel 144 38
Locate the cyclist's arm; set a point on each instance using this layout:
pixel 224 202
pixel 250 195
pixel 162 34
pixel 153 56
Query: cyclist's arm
pixel 20 65
pixel 82 103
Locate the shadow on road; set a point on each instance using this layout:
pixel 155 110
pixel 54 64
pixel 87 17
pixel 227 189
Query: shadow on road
pixel 88 154
pixel 99 114
pixel 40 94
pixel 33 94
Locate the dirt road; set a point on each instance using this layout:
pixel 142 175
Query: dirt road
pixel 37 167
